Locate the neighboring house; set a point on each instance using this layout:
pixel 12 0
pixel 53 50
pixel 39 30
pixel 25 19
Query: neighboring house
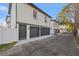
pixel 63 29
pixel 55 26
pixel 29 20
pixel 52 27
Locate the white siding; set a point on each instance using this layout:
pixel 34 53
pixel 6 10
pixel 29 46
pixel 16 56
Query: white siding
pixel 52 28
pixel 25 15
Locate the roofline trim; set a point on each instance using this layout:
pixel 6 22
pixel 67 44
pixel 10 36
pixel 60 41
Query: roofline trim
pixel 31 4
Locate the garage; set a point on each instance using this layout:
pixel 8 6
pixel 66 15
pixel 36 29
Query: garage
pixel 45 31
pixel 22 31
pixel 34 31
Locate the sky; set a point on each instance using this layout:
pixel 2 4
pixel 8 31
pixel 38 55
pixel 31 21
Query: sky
pixel 3 11
pixel 51 9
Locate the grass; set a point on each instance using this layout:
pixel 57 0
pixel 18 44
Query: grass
pixel 4 47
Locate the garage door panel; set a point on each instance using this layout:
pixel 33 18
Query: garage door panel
pixel 34 31
pixel 22 32
pixel 45 31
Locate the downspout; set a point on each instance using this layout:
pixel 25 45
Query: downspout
pixel 17 30
pixel 16 15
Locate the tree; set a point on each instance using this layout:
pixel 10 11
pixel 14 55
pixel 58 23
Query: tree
pixel 65 17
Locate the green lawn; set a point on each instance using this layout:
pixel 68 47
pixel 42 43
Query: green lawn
pixel 5 47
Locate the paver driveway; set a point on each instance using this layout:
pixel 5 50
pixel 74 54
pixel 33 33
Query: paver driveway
pixel 62 45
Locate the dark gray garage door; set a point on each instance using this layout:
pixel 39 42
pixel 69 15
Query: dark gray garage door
pixel 45 31
pixel 22 32
pixel 34 32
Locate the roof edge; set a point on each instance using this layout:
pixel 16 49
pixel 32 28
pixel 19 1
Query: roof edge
pixel 31 4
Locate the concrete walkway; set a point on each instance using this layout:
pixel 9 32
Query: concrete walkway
pixel 62 45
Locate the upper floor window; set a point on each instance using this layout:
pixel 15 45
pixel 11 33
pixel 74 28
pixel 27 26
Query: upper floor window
pixel 45 19
pixel 34 14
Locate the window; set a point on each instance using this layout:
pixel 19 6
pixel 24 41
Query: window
pixel 45 19
pixel 34 14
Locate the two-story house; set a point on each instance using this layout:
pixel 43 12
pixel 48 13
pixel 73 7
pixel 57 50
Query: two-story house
pixel 29 20
pixel 55 26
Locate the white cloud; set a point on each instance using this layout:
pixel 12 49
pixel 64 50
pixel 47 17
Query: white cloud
pixel 3 8
pixel 2 20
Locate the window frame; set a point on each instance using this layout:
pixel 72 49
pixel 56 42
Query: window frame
pixel 35 14
pixel 45 19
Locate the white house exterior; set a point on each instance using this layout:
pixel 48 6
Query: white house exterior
pixel 28 21
pixel 52 31
pixel 63 29
pixel 55 26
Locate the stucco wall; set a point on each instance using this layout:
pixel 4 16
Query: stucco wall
pixel 25 15
pixel 8 35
